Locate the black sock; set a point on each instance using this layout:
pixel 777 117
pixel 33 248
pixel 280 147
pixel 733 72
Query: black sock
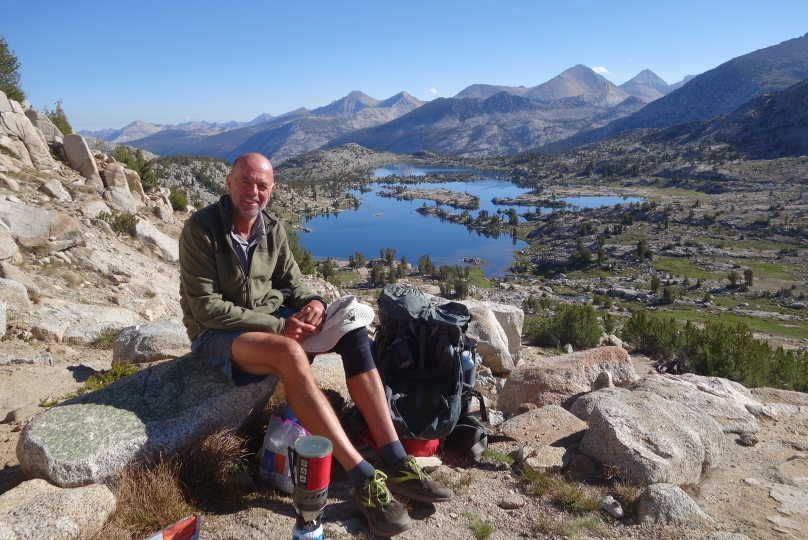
pixel 360 473
pixel 393 452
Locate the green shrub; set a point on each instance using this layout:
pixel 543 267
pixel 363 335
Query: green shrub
pixel 59 118
pixel 136 162
pixel 481 528
pixel 9 73
pixel 461 287
pixel 119 370
pixel 302 255
pixel 179 202
pixel 654 336
pixel 570 497
pixel 573 324
pixel 609 323
pixel 120 222
pixel 106 338
pixel 719 350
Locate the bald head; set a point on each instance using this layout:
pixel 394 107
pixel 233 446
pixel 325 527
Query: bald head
pixel 253 160
pixel 250 183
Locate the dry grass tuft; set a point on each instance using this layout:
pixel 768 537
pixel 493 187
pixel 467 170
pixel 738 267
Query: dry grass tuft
pixel 458 484
pixel 157 493
pixel 571 497
pixel 627 494
pixel 206 465
pixel 149 497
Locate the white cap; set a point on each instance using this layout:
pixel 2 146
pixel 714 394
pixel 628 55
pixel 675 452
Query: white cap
pixel 341 317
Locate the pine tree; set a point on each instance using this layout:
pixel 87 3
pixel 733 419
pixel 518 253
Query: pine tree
pixel 9 74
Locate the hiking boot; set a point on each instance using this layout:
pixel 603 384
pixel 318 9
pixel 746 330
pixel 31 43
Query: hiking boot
pixel 386 516
pixel 409 479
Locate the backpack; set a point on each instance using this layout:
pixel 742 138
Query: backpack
pixel 418 355
pixel 418 348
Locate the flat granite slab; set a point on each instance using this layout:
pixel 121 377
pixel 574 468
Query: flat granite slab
pixel 91 438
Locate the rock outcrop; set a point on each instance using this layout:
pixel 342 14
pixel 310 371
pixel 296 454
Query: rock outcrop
pixel 51 133
pixel 120 199
pixel 21 138
pixel 36 510
pixel 498 331
pixel 82 160
pixel 647 437
pixel 149 234
pixel 35 228
pixel 91 438
pixel 721 403
pixel 546 426
pixel 559 380
pixel 150 342
pixel 80 324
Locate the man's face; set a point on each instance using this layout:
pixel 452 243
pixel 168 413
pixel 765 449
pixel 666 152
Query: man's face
pixel 250 184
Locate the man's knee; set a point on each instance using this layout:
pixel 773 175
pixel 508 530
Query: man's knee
pixel 277 354
pixel 288 351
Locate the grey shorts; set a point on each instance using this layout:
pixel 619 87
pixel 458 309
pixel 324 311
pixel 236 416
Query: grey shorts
pixel 214 347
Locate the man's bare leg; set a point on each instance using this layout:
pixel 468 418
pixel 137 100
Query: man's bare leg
pixel 273 354
pixel 368 393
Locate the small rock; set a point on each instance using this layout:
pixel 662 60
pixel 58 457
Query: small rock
pixel 568 348
pixel 495 418
pixel 613 507
pixel 511 502
pixel 548 459
pixel 429 463
pixel 604 380
pixel 668 504
pixel 748 439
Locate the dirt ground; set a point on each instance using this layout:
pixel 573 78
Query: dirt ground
pixel 759 491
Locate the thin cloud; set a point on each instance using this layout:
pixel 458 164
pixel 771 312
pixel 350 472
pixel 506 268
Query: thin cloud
pixel 629 60
pixel 433 91
pixel 601 69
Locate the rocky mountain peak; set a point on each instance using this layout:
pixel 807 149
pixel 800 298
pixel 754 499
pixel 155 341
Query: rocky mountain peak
pixel 402 99
pixel 578 81
pixel 349 105
pixel 647 86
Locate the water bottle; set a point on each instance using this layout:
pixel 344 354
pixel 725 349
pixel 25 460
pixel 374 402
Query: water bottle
pixel 469 368
pixel 289 414
pixel 307 533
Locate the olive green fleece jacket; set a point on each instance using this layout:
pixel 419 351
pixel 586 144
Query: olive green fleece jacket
pixel 215 292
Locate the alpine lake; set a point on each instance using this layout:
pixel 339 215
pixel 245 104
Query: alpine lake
pixel 385 222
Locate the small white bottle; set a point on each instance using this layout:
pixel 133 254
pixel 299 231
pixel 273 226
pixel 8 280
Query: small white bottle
pixel 469 368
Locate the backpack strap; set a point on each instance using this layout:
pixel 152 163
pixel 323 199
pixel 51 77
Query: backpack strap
pixel 422 347
pixel 399 348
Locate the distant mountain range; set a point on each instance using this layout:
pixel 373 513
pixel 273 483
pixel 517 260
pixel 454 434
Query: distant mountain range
pixel 716 92
pixel 578 81
pixel 582 81
pixel 287 135
pixel 726 87
pixel 140 129
pixel 576 107
pixel 501 124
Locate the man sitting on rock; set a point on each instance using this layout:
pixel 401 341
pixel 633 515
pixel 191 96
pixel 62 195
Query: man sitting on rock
pixel 247 311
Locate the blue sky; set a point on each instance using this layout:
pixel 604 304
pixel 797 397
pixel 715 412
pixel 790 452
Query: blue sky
pixel 177 60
